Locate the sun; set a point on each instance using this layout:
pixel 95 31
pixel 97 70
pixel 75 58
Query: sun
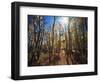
pixel 64 20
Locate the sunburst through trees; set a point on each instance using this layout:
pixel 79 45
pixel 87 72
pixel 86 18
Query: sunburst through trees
pixel 57 40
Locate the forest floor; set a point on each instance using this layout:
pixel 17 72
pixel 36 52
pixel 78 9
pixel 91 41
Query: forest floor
pixel 64 59
pixel 60 58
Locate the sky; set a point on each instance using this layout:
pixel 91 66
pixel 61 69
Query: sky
pixel 48 22
pixel 50 19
